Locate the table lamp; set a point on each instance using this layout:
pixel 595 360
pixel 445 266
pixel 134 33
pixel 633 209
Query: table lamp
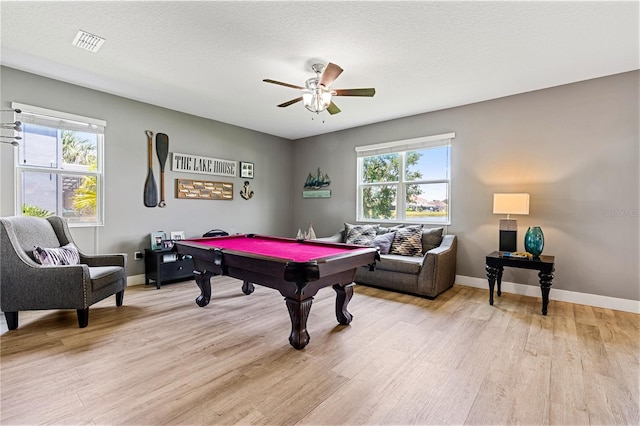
pixel 510 204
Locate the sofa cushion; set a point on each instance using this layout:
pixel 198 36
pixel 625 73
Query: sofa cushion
pixel 65 255
pixel 407 241
pixel 383 242
pixel 102 276
pixel 399 263
pixel 360 234
pixel 431 238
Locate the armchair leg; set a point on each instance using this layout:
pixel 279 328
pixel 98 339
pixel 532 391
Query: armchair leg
pixel 12 320
pixel 119 298
pixel 83 317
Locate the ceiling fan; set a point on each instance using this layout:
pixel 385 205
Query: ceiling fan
pixel 317 93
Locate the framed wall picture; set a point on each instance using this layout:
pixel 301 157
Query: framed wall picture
pixel 177 235
pixel 156 239
pixel 246 170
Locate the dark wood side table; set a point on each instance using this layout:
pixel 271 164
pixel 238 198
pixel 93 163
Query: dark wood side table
pixel 166 265
pixel 496 262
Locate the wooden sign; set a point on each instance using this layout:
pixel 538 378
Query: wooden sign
pixel 203 190
pixel 205 165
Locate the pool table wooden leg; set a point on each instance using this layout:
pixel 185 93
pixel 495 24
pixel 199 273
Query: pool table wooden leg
pixel 343 296
pixel 299 312
pixel 203 279
pixel 247 287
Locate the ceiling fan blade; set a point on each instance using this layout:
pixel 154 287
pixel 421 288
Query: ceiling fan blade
pixel 291 102
pixel 293 86
pixel 355 92
pixel 331 72
pixel 333 109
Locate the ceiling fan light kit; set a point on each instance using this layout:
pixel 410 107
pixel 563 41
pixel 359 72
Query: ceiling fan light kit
pixel 317 94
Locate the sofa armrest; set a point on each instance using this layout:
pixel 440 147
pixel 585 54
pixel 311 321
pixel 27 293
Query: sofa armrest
pixel 438 271
pixel 27 286
pixel 118 259
pixel 338 237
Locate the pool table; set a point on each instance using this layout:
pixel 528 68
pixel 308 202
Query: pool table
pixel 296 268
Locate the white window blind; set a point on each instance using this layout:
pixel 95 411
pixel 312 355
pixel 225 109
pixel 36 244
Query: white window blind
pixel 405 145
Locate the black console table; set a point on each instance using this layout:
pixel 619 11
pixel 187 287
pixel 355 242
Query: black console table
pixel 166 265
pixel 496 262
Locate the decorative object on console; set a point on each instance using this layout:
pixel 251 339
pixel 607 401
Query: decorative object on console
pixel 508 204
pixel 177 235
pixel 162 150
pixel 215 233
pixel 246 170
pixel 156 239
pixel 204 190
pixel 246 192
pixel 534 241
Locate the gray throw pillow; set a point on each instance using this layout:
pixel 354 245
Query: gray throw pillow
pixel 431 238
pixel 383 242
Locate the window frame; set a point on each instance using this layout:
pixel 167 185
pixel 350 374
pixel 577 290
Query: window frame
pixel 402 147
pixel 65 121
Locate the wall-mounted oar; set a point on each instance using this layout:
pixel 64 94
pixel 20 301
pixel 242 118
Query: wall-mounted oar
pixel 150 188
pixel 162 149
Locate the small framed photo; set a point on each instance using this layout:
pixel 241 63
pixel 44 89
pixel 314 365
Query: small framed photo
pixel 246 170
pixel 156 240
pixel 177 235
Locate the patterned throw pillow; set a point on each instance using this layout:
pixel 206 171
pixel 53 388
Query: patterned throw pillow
pixel 383 242
pixel 407 241
pixel 360 234
pixel 65 255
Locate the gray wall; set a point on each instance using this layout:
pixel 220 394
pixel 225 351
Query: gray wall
pixel 574 148
pixel 127 221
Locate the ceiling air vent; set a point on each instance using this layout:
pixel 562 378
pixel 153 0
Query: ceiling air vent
pixel 88 41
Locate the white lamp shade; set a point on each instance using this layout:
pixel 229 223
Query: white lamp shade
pixel 511 203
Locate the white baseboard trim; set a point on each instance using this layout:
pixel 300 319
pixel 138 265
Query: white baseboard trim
pixel 135 279
pixel 560 295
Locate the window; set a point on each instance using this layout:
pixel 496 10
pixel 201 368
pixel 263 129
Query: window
pixel 59 168
pixel 405 181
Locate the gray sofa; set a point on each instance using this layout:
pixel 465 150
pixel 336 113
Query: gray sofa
pixel 27 285
pixel 426 275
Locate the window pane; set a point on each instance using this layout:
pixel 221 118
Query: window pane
pixel 379 202
pixel 79 150
pixel 381 168
pixel 429 202
pixel 39 194
pixel 78 199
pixel 428 164
pixel 39 146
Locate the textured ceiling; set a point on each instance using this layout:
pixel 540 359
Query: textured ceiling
pixel 209 58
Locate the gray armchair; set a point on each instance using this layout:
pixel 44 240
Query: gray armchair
pixel 27 285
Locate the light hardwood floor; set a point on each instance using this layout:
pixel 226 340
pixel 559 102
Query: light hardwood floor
pixel 161 359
